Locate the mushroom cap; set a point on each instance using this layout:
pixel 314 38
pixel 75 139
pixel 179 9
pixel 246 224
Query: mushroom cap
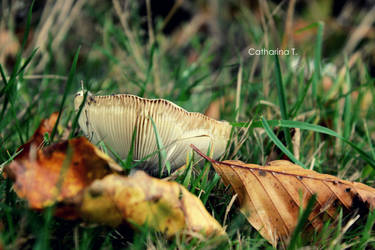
pixel 113 118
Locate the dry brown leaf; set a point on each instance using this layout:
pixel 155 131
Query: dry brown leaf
pixel 271 196
pixel 140 199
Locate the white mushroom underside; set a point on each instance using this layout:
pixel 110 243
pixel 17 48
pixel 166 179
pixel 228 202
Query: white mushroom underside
pixel 112 119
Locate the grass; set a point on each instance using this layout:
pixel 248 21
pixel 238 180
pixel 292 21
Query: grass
pixel 114 53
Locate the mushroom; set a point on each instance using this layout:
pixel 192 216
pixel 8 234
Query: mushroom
pixel 113 118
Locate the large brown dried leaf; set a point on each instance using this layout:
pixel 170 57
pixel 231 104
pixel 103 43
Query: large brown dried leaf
pixel 271 196
pixel 140 199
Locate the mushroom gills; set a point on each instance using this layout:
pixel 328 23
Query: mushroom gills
pixel 112 120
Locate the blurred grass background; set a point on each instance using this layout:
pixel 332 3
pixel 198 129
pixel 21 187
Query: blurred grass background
pixel 194 53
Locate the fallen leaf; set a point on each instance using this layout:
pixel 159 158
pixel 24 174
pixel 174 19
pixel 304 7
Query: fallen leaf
pixel 45 127
pixel 58 172
pixel 271 196
pixel 140 199
pixel 44 176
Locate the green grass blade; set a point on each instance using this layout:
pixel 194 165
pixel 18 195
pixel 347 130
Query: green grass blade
pixel 162 153
pixel 10 89
pixel 369 141
pixel 303 218
pixel 2 165
pixel 278 143
pixel 367 230
pixel 188 171
pixel 76 118
pixel 301 99
pixel 209 188
pixel 28 22
pixel 4 78
pixel 317 59
pixel 27 62
pixel 347 106
pixel 280 89
pixel 129 158
pixel 282 101
pixel 66 92
pixel 311 127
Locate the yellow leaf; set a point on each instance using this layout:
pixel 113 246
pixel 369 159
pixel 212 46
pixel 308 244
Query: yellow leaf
pixel 143 200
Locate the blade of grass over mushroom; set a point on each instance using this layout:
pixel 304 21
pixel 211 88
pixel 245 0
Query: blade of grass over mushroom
pixel 129 158
pixel 203 177
pixel 131 164
pixel 106 148
pixel 278 143
pixel 312 127
pixel 282 101
pixel 163 161
pixel 66 91
pixel 188 171
pixel 75 121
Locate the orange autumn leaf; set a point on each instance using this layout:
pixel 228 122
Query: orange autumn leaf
pixel 37 139
pixel 46 126
pixel 271 196
pixel 139 199
pixel 58 172
pixel 44 176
